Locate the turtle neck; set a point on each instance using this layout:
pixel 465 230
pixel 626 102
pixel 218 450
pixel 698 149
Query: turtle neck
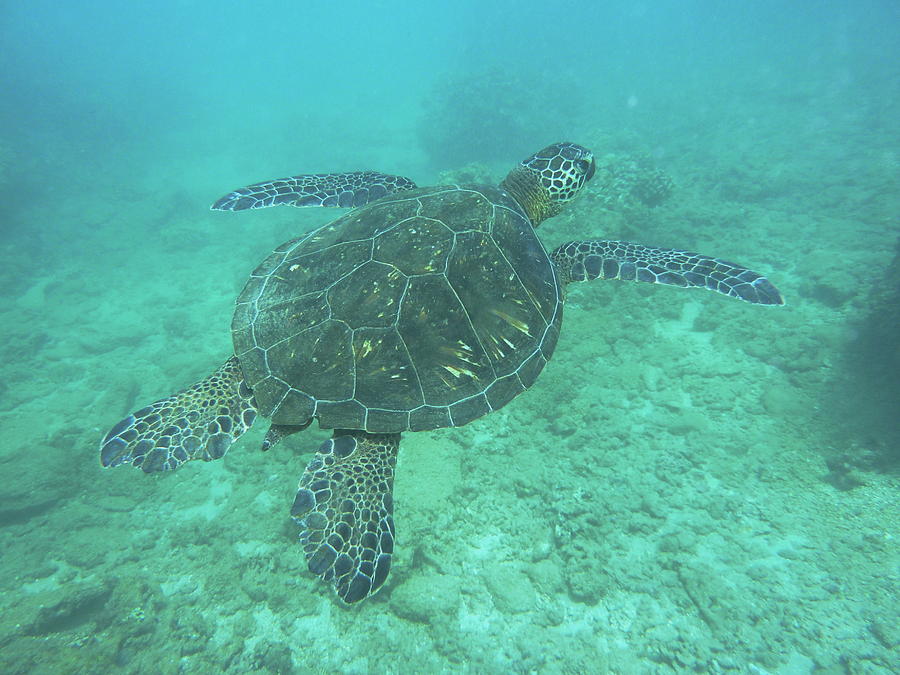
pixel 525 187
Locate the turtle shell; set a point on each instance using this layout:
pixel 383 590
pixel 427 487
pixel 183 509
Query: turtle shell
pixel 422 310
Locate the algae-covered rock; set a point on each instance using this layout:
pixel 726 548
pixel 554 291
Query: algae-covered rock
pixel 510 588
pixel 686 421
pixel 273 658
pixel 827 280
pixel 547 576
pixel 784 401
pixel 587 579
pixel 66 607
pixel 424 597
pixel 31 494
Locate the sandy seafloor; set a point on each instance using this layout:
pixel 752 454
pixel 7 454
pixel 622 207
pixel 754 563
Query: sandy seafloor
pixel 694 484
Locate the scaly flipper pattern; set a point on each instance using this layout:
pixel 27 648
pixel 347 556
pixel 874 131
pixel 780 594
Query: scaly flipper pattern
pixel 349 190
pixel 602 259
pixel 345 506
pixel 200 422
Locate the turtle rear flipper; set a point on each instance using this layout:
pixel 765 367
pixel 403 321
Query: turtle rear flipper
pixel 200 422
pixel 345 506
pixel 348 190
pixel 602 259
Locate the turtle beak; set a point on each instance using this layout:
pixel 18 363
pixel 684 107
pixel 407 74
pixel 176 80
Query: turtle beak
pixel 590 172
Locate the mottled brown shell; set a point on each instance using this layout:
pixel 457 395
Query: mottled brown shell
pixel 423 310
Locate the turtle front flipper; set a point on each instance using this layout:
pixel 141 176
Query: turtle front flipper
pixel 345 506
pixel 348 190
pixel 200 422
pixel 602 259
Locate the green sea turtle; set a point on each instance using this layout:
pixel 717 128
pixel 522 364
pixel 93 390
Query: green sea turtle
pixel 420 309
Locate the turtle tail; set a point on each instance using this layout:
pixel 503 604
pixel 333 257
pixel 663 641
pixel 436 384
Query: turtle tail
pixel 200 422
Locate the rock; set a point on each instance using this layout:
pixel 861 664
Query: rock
pixel 27 497
pixel 510 589
pixel 547 575
pixel 273 658
pixel 834 292
pixel 688 421
pixel 69 606
pixel 425 596
pixel 783 401
pixel 587 579
pixel 887 633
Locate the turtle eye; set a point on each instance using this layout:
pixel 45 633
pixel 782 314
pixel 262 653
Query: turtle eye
pixel 585 167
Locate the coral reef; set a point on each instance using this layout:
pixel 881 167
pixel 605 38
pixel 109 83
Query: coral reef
pixel 473 172
pixel 623 182
pixel 488 115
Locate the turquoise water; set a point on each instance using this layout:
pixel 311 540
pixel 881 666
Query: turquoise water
pixel 694 484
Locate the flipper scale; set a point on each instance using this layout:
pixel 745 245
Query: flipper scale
pixel 345 190
pixel 604 259
pixel 344 505
pixel 200 422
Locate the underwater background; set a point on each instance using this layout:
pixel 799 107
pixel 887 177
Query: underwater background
pixel 693 485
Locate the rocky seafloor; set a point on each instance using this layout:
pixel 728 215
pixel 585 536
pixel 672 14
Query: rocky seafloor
pixel 694 484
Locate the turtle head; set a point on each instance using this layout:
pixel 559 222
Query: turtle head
pixel 547 180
